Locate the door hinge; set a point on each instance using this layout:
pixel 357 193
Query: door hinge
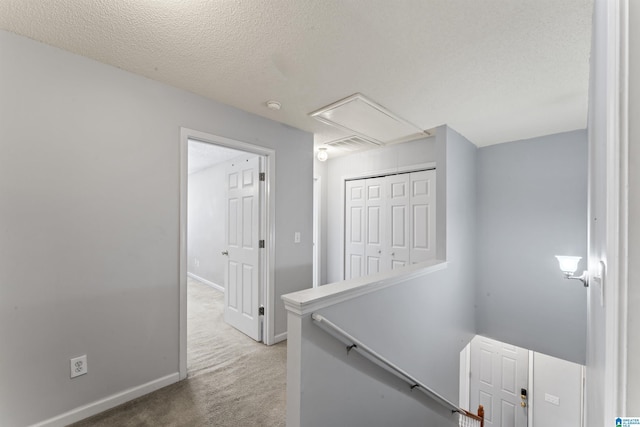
pixel 261 244
pixel 263 176
pixel 261 311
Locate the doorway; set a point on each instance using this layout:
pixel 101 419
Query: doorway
pixel 519 387
pixel 499 382
pixel 317 218
pixel 253 297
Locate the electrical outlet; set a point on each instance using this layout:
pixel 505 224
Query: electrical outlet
pixel 196 261
pixel 78 366
pixel 296 237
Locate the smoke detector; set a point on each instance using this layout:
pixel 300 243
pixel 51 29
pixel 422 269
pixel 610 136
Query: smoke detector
pixel 273 105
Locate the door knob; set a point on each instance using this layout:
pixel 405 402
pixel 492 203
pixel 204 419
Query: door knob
pixel 523 404
pixel 225 253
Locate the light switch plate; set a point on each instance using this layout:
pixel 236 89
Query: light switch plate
pixel 555 400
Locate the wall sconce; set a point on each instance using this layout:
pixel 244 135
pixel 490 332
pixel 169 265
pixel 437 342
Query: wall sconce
pixel 569 265
pixel 322 155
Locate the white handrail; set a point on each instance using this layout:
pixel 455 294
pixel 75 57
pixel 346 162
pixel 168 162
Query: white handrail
pixel 359 346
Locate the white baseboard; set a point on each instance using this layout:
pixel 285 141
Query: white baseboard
pixel 279 337
pixel 112 401
pixel 206 282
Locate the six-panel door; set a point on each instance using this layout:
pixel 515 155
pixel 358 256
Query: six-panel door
pixel 389 222
pixel 242 285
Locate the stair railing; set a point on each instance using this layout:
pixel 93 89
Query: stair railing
pixel 467 419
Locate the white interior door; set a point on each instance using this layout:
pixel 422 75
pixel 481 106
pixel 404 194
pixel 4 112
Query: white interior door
pixel 242 272
pixel 423 215
pixel 398 221
pixel 499 372
pixel 390 222
pixel 375 198
pixel 354 229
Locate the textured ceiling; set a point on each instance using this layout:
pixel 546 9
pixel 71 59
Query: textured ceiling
pixel 494 70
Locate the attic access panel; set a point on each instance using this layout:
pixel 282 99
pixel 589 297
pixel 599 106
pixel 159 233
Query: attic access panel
pixel 352 143
pixel 367 119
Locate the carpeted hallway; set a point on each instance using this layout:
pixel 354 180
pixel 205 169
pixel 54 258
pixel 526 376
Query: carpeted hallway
pixel 232 380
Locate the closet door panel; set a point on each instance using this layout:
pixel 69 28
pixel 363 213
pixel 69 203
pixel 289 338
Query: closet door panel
pixel 423 216
pixel 390 222
pixel 398 223
pixel 375 233
pixel 354 247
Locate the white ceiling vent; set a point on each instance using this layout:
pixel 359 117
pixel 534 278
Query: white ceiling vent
pixel 363 117
pixel 352 143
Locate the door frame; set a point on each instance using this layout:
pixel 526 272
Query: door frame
pixel 465 384
pixel 365 175
pixel 317 231
pixel 267 227
pixel 465 379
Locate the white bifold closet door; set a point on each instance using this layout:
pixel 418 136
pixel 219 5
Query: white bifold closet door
pixel 389 222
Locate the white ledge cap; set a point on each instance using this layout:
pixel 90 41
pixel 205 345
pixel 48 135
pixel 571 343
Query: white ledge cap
pixel 308 300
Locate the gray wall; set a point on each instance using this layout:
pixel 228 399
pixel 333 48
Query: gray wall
pixel 375 160
pixel 633 326
pixel 89 223
pixel 532 199
pixel 206 224
pixel 419 324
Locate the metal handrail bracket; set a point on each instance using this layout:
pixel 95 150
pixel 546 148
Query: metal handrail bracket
pixel 399 372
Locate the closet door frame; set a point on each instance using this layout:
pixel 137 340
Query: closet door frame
pixel 365 175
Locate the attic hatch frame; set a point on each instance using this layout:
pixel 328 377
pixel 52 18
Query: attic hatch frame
pixel 375 108
pixel 267 224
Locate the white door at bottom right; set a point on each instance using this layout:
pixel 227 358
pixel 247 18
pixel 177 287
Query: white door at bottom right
pixel 499 374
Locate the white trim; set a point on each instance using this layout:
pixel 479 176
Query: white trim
pixel 391 171
pixel 614 392
pixel 267 232
pixel 317 231
pixel 308 300
pixel 182 277
pixel 280 337
pixel 464 393
pixel 530 388
pixel 623 206
pixel 341 225
pixel 583 396
pixel 270 235
pixel 109 402
pixel 206 282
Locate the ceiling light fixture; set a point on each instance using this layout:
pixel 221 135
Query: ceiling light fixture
pixel 274 105
pixel 322 155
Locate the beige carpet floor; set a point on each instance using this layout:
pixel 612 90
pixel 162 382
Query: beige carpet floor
pixel 232 380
